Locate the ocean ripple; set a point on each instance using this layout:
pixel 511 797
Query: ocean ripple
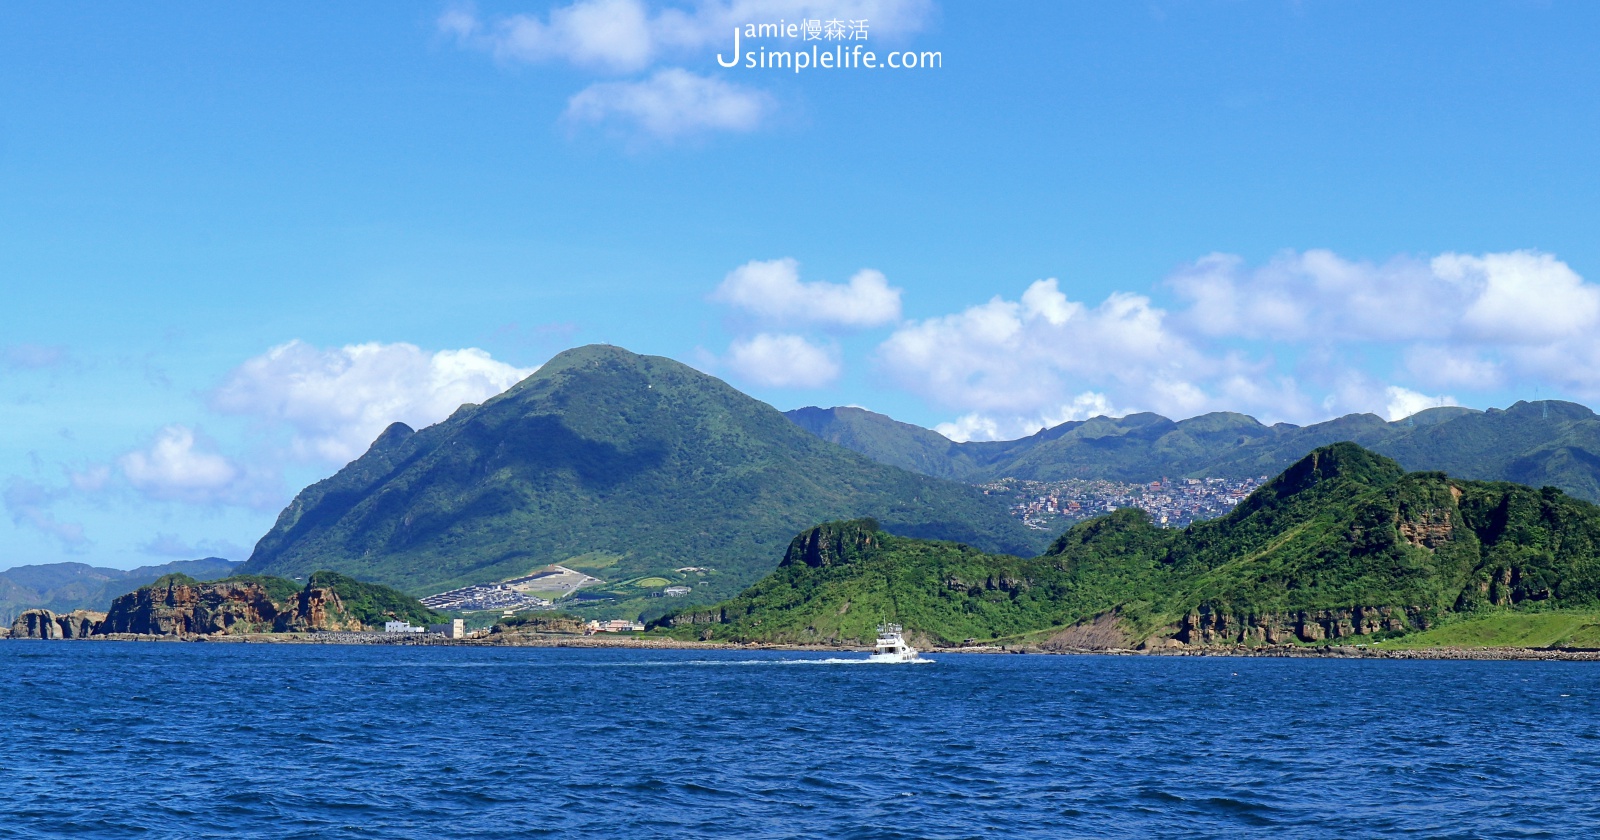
pixel 175 740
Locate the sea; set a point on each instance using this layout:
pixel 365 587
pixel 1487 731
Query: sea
pixel 194 740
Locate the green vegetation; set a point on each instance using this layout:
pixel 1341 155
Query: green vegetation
pixel 1539 443
pixel 1344 537
pixel 1509 629
pixel 606 454
pixel 372 603
pixel 280 590
pixel 173 579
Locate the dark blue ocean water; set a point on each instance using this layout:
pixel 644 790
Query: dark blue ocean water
pixel 204 740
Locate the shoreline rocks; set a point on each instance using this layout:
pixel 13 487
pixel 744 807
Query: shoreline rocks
pixel 44 624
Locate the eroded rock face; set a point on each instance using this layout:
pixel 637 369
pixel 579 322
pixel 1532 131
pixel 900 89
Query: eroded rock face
pixel 317 608
pixel 36 624
pixel 1428 529
pixel 80 624
pixel 1207 626
pixel 181 609
pixel 44 624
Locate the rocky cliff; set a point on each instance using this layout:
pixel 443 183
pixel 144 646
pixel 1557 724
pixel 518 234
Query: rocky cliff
pixel 177 607
pixel 1209 626
pixel 44 624
pixel 317 608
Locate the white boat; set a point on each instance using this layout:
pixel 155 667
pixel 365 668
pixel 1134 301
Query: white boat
pixel 892 647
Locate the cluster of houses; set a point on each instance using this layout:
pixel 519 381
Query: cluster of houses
pixel 1173 503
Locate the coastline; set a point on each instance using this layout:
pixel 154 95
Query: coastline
pixel 647 643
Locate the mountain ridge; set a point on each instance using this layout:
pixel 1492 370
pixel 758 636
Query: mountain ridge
pixel 1536 443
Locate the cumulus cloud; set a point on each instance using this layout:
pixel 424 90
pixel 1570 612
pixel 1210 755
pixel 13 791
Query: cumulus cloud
pixel 1018 357
pixel 772 291
pixel 1515 298
pixel 180 466
pixel 782 361
pixel 670 104
pixel 1452 321
pixel 29 505
pixel 335 401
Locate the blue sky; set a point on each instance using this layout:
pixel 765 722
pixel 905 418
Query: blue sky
pixel 237 239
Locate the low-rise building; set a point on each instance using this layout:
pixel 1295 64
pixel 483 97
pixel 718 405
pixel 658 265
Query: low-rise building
pixel 615 625
pixel 400 627
pixel 675 591
pixel 453 629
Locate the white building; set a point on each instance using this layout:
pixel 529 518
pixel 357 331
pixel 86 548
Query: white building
pixel 453 629
pixel 400 627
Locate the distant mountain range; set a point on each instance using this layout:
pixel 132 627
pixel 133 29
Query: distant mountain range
pixel 64 587
pixel 1343 543
pixel 628 467
pixel 1534 443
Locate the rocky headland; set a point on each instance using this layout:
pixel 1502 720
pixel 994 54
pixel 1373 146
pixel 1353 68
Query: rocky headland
pixel 179 607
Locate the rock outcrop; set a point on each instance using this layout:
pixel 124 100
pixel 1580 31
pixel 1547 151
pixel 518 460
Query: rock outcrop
pixel 1209 626
pixel 36 624
pixel 317 608
pixel 44 624
pixel 176 608
pixel 80 624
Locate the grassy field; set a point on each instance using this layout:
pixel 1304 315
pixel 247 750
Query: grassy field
pixel 591 562
pixel 1525 630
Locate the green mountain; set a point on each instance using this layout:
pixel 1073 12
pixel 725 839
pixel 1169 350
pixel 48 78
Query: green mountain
pixel 1343 543
pixel 1539 443
pixel 64 587
pixel 627 467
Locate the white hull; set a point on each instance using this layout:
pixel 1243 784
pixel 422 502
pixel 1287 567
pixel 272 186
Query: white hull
pixel 892 648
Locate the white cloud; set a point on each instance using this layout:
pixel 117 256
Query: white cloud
pixel 670 104
pixel 336 401
pixel 1315 293
pixel 1404 402
pixel 1453 321
pixel 1006 358
pixel 772 291
pixel 179 466
pixel 625 36
pixel 782 361
pixel 1522 297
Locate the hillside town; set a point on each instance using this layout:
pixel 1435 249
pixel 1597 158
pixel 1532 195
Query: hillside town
pixel 1171 503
